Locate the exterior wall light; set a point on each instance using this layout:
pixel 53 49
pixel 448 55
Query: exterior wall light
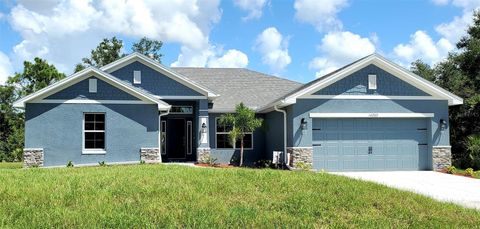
pixel 303 124
pixel 443 124
pixel 204 128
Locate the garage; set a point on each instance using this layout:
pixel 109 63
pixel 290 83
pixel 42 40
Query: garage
pixel 369 144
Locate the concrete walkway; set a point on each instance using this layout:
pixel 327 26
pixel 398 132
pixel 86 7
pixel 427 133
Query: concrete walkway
pixel 444 187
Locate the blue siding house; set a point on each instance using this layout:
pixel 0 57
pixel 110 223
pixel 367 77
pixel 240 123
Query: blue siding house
pixel 369 115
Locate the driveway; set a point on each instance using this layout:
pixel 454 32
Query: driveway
pixel 444 187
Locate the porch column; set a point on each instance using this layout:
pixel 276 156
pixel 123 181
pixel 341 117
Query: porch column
pixel 203 148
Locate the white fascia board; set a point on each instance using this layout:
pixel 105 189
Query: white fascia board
pixel 160 68
pixel 372 97
pixel 371 115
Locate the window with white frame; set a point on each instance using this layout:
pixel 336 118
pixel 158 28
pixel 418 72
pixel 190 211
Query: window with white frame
pixel 94 131
pixel 92 85
pixel 223 141
pixel 372 82
pixel 137 77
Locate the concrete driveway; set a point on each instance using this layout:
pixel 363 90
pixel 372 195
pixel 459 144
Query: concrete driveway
pixel 444 187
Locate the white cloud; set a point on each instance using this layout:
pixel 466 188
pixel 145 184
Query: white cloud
pixel 254 7
pixel 231 59
pixel 340 48
pixel 322 14
pixel 6 68
pixel 274 49
pixel 421 46
pixel 440 2
pixel 65 31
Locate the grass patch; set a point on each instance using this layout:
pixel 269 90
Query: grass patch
pixel 177 196
pixel 11 165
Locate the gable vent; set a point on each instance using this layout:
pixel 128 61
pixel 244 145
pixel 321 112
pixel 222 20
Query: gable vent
pixel 92 85
pixel 137 77
pixel 372 82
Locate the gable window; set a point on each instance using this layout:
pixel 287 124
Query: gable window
pixel 94 133
pixel 92 85
pixel 137 77
pixel 223 141
pixel 372 82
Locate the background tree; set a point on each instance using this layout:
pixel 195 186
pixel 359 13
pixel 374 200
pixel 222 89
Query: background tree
pixel 35 76
pixel 149 47
pixel 460 74
pixel 106 52
pixel 242 121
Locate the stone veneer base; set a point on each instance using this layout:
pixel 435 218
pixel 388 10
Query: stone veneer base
pixel 150 155
pixel 203 155
pixel 301 155
pixel 33 157
pixel 441 157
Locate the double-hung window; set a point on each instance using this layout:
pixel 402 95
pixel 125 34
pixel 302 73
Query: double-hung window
pixel 94 133
pixel 223 141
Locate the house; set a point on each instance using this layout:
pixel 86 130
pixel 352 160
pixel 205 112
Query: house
pixel 369 115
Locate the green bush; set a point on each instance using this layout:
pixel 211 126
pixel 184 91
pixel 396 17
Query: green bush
pixel 472 144
pixel 469 172
pixel 102 163
pixel 263 164
pixel 70 164
pixel 142 162
pixel 451 169
pixel 303 166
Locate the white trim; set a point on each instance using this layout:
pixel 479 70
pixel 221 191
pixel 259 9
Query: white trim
pixel 375 97
pixel 158 67
pixel 441 146
pixel 32 148
pixel 181 97
pixel 300 147
pixel 233 147
pixel 93 152
pixel 371 115
pixel 79 76
pixel 90 101
pixel 380 62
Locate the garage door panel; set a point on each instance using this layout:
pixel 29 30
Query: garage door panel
pixel 396 144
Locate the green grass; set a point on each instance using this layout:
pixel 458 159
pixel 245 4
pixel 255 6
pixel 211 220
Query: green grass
pixel 11 165
pixel 177 196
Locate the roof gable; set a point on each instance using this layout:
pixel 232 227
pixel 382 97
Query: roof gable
pixel 165 71
pixel 80 76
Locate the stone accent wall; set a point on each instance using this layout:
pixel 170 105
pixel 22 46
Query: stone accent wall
pixel 32 158
pixel 203 155
pixel 441 157
pixel 150 155
pixel 301 154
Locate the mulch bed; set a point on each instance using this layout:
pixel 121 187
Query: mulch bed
pixel 216 165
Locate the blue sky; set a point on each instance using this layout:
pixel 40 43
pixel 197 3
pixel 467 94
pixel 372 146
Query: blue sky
pixel 299 40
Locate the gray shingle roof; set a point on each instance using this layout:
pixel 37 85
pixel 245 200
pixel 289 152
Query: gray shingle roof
pixel 235 85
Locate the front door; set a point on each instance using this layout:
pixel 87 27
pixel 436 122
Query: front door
pixel 179 142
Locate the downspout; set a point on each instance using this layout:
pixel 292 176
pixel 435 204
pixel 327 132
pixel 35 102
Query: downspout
pixel 160 132
pixel 284 135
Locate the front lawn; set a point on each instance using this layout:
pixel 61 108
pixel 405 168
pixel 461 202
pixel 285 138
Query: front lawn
pixel 178 196
pixel 11 165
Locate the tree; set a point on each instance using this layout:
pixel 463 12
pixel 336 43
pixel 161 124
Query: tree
pixel 242 122
pixel 149 47
pixel 35 76
pixel 424 70
pixel 106 52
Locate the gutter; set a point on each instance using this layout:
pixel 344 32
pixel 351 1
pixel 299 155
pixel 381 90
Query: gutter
pixel 285 162
pixel 160 132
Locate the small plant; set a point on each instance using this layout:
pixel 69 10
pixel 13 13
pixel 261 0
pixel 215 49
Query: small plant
pixel 102 163
pixel 469 172
pixel 142 162
pixel 211 161
pixel 451 169
pixel 263 164
pixel 303 166
pixel 70 164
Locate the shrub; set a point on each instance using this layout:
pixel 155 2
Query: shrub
pixel 263 164
pixel 303 166
pixel 142 162
pixel 451 169
pixel 211 161
pixel 70 164
pixel 469 172
pixel 102 163
pixel 472 144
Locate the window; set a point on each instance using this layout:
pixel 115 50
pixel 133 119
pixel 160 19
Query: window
pixel 181 110
pixel 92 85
pixel 223 141
pixel 164 137
pixel 94 131
pixel 372 82
pixel 137 77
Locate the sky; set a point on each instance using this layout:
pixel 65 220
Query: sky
pixel 299 40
